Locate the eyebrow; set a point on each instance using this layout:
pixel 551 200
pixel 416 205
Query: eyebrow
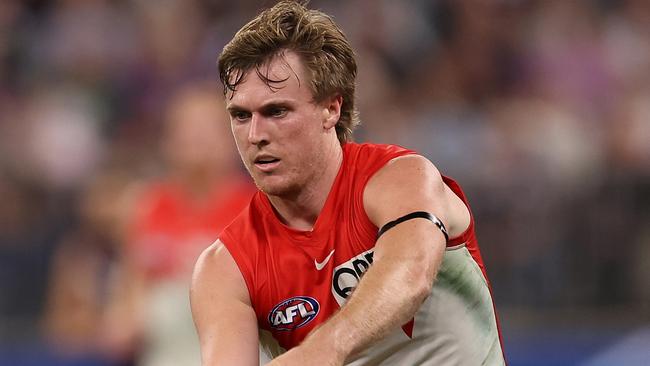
pixel 272 103
pixel 234 108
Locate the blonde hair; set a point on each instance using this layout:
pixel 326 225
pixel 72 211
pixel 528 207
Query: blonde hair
pixel 313 35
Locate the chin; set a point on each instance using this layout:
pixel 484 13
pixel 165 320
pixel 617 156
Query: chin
pixel 275 187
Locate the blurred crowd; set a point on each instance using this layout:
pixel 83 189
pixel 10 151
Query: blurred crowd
pixel 116 164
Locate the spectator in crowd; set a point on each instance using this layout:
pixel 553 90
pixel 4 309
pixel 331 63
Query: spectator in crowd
pixel 175 217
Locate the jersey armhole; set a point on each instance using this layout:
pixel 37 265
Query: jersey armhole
pixel 467 234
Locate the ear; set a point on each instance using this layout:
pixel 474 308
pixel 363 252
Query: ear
pixel 331 111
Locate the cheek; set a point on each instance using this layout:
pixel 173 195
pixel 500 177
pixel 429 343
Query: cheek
pixel 241 150
pixel 304 128
pixel 240 135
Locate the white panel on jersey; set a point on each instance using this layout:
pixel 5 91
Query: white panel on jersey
pixel 456 324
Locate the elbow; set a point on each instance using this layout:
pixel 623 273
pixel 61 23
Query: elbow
pixel 422 291
pixel 424 273
pixel 421 285
pixel 423 276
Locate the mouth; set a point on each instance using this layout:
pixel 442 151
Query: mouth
pixel 266 163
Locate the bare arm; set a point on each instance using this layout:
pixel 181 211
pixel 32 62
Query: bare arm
pixel 222 311
pixel 406 260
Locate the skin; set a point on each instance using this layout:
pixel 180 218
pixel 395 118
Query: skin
pixel 289 125
pixel 301 134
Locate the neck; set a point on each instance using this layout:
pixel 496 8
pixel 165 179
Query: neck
pixel 300 210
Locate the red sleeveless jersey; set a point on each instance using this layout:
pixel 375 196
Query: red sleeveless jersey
pixel 298 279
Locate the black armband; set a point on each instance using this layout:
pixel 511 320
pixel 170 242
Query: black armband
pixel 415 215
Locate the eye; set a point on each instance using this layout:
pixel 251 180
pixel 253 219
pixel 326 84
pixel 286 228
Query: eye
pixel 240 115
pixel 277 112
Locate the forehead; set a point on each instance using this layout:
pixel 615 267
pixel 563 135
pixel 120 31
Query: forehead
pixel 283 77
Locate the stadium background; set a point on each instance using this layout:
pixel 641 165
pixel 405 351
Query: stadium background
pixel 541 109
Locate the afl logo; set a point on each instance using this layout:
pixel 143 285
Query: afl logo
pixel 294 313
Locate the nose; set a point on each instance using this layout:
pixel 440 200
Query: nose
pixel 257 134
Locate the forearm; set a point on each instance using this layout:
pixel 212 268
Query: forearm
pixel 380 304
pixel 388 296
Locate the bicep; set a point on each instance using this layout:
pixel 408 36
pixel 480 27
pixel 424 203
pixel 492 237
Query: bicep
pixel 405 185
pixel 224 318
pixel 412 183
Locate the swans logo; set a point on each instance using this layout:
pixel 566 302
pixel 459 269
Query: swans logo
pixel 294 313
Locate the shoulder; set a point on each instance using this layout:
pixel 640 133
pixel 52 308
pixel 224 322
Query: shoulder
pixel 405 167
pixel 405 177
pixel 413 183
pixel 366 159
pixel 212 258
pixel 216 268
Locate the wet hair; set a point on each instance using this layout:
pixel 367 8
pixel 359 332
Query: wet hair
pixel 321 45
